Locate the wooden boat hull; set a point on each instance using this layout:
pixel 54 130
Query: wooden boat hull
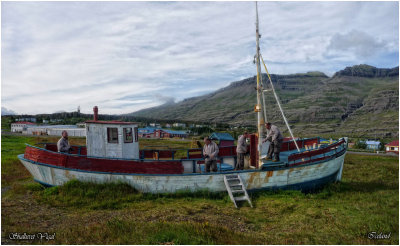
pixel 303 177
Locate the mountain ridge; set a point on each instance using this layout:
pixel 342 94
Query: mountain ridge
pixel 309 100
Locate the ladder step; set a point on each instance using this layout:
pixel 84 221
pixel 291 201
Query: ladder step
pixel 231 177
pixel 236 186
pixel 240 198
pixel 238 191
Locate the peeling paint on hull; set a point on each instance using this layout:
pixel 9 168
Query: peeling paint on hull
pixel 299 177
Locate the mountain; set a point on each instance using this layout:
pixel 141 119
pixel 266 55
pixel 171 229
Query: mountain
pixel 355 101
pixel 368 71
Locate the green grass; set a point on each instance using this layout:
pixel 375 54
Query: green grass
pixel 6 123
pixel 84 213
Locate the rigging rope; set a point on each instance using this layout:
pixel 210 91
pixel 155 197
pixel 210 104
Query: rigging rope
pixel 265 113
pixel 279 104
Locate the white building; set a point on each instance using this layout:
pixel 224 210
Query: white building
pixel 179 125
pixel 155 125
pixel 73 132
pixel 112 139
pixel 21 126
pixel 55 120
pixel 56 130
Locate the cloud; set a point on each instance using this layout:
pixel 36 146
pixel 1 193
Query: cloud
pixel 359 44
pixel 126 56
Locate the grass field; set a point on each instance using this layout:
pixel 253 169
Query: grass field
pixel 82 213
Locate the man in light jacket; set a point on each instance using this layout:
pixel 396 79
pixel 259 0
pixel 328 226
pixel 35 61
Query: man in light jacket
pixel 241 150
pixel 63 144
pixel 276 138
pixel 210 153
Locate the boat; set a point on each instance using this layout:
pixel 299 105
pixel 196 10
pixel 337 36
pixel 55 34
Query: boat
pixel 112 154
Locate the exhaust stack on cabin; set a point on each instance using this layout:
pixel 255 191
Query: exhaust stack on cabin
pixel 95 113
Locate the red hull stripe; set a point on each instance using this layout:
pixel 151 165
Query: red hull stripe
pixel 102 165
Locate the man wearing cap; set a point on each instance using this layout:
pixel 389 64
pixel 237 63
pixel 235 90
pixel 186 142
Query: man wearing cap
pixel 210 152
pixel 276 138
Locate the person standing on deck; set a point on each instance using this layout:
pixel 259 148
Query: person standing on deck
pixel 63 144
pixel 276 138
pixel 241 150
pixel 210 152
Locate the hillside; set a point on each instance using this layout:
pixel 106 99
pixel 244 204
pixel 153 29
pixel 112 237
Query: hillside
pixel 355 101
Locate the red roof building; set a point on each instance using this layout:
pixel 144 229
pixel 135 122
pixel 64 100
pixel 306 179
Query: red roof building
pixel 393 147
pixel 21 126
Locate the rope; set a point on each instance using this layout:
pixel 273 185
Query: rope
pixel 265 113
pixel 279 104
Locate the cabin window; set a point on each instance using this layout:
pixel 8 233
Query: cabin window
pixel 112 135
pixel 136 134
pixel 128 137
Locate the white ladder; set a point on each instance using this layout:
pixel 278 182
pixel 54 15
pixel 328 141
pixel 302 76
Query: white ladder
pixel 235 186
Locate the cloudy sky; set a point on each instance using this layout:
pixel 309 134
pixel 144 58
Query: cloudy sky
pixel 126 56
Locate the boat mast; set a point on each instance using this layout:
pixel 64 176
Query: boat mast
pixel 260 119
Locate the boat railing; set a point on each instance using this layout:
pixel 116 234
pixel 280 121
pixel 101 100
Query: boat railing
pixel 76 149
pixel 306 157
pixel 290 145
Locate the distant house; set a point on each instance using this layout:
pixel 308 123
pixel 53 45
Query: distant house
pixel 155 125
pixel 168 125
pixel 351 145
pixel 151 132
pixel 21 126
pixel 146 132
pixel 372 145
pixel 179 125
pixel 55 120
pixel 224 139
pixel 393 147
pixel 175 134
pixel 30 119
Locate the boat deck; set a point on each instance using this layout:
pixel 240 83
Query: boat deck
pixel 164 161
pixel 284 156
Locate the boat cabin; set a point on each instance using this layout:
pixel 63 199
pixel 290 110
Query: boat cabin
pixel 112 139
